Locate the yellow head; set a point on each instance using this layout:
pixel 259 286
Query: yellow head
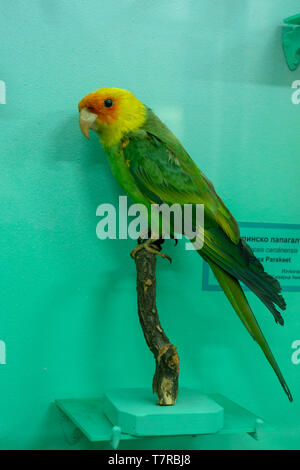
pixel 111 112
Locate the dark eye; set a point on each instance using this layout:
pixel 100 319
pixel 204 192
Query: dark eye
pixel 108 103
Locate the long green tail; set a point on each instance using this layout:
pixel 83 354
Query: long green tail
pixel 238 300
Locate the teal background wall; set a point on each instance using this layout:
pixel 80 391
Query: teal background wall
pixel 214 71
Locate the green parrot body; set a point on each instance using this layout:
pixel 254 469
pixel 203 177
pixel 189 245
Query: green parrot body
pixel 152 167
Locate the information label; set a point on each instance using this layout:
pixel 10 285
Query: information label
pixel 277 246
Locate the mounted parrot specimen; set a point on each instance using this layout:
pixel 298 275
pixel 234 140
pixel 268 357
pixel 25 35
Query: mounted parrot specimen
pixel 152 167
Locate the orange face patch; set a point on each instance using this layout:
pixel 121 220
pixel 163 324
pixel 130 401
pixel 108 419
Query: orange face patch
pixel 95 102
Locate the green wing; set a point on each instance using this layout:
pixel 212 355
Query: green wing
pixel 164 173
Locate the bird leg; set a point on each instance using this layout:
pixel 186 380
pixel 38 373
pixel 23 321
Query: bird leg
pixel 148 233
pixel 152 245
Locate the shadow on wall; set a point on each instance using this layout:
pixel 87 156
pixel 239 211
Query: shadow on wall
pixel 108 261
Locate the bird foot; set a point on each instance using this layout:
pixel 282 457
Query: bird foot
pixel 151 245
pixel 175 239
pixel 148 233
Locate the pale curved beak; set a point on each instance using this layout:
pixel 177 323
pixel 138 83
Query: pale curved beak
pixel 86 121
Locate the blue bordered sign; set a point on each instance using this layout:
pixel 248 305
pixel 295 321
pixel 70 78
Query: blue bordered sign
pixel 278 248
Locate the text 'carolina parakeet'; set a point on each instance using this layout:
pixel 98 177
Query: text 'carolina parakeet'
pixel 152 167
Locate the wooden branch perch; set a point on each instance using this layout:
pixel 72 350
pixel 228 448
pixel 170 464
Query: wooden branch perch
pixel 165 380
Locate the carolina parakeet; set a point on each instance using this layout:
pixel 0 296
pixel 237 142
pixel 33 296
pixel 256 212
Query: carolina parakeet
pixel 152 167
